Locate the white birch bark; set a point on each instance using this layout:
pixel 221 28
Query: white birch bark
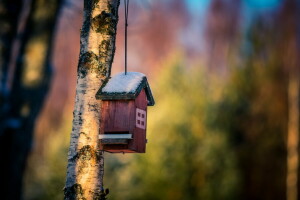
pixel 85 161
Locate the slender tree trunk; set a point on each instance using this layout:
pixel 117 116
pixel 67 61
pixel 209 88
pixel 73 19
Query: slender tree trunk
pixel 290 39
pixel 29 89
pixel 293 137
pixel 9 14
pixel 10 11
pixel 85 161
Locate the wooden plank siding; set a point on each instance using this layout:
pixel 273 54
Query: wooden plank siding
pixel 120 116
pixel 139 136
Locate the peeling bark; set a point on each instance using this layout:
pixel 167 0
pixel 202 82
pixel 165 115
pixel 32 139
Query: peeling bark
pixel 97 47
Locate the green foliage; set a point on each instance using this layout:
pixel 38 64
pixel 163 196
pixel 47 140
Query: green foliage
pixel 46 171
pixel 253 113
pixel 208 139
pixel 185 159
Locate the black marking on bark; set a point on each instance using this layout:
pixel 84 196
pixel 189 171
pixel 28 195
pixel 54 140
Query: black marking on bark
pixel 106 48
pixel 95 4
pixel 104 81
pixel 111 9
pixel 84 32
pixel 80 119
pixel 105 23
pixel 83 133
pixel 93 107
pixel 89 62
pixel 87 152
pixel 74 192
pixel 81 166
pixel 91 5
pixel 103 70
pixel 100 194
pixel 112 57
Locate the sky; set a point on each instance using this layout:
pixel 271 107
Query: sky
pixel 197 6
pixel 262 4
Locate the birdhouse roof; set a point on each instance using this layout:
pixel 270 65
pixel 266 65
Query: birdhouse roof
pixel 127 86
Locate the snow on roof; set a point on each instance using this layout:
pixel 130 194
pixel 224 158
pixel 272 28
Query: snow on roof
pixel 121 83
pixel 127 86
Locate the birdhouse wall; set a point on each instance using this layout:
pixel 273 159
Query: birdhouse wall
pixel 139 136
pixel 141 100
pixel 120 116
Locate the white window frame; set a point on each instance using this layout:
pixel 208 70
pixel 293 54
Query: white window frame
pixel 140 121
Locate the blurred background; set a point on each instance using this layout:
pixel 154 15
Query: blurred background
pixel 225 78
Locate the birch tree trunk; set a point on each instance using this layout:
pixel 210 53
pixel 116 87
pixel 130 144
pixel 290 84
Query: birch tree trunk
pixel 97 47
pixel 293 137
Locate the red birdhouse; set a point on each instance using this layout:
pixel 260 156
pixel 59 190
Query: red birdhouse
pixel 124 113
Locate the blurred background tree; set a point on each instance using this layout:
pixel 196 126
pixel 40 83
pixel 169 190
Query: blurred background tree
pixel 24 98
pixel 220 72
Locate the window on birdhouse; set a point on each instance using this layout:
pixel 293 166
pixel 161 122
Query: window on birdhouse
pixel 140 118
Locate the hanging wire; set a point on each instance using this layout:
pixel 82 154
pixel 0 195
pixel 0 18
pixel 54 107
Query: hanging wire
pixel 126 3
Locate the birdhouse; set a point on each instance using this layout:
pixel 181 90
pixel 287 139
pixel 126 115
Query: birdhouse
pixel 124 113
